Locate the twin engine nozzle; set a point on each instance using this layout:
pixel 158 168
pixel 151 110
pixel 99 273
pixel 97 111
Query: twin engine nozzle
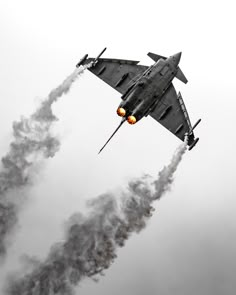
pixel 122 112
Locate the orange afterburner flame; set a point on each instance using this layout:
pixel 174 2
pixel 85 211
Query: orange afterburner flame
pixel 121 112
pixel 132 120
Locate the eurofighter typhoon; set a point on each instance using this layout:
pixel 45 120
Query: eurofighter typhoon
pixel 146 91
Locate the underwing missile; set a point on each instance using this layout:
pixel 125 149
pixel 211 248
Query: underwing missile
pixel 83 59
pixel 193 144
pixel 194 126
pixel 96 59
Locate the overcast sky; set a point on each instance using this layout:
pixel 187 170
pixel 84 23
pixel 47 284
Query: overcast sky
pixel 189 244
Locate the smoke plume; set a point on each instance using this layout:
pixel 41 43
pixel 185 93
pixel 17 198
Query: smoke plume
pixel 91 240
pixel 32 142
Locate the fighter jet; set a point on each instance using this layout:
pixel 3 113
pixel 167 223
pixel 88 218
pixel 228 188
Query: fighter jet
pixel 146 91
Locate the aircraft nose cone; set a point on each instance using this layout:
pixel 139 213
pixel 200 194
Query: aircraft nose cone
pixel 176 58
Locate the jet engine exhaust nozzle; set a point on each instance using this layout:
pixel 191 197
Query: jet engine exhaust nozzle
pixel 132 120
pixel 121 112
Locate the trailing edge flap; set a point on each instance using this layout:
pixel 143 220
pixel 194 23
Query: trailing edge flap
pixel 118 73
pixel 171 113
pixel 155 57
pixel 180 76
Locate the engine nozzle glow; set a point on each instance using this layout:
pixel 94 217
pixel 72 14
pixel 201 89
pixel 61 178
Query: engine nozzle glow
pixel 132 120
pixel 121 112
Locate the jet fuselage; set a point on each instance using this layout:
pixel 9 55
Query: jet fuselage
pixel 145 93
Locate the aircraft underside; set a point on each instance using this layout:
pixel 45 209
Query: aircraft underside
pixel 147 91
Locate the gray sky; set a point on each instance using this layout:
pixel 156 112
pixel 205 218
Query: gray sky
pixel 189 244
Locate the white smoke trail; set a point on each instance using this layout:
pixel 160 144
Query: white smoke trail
pixel 32 142
pixel 91 241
